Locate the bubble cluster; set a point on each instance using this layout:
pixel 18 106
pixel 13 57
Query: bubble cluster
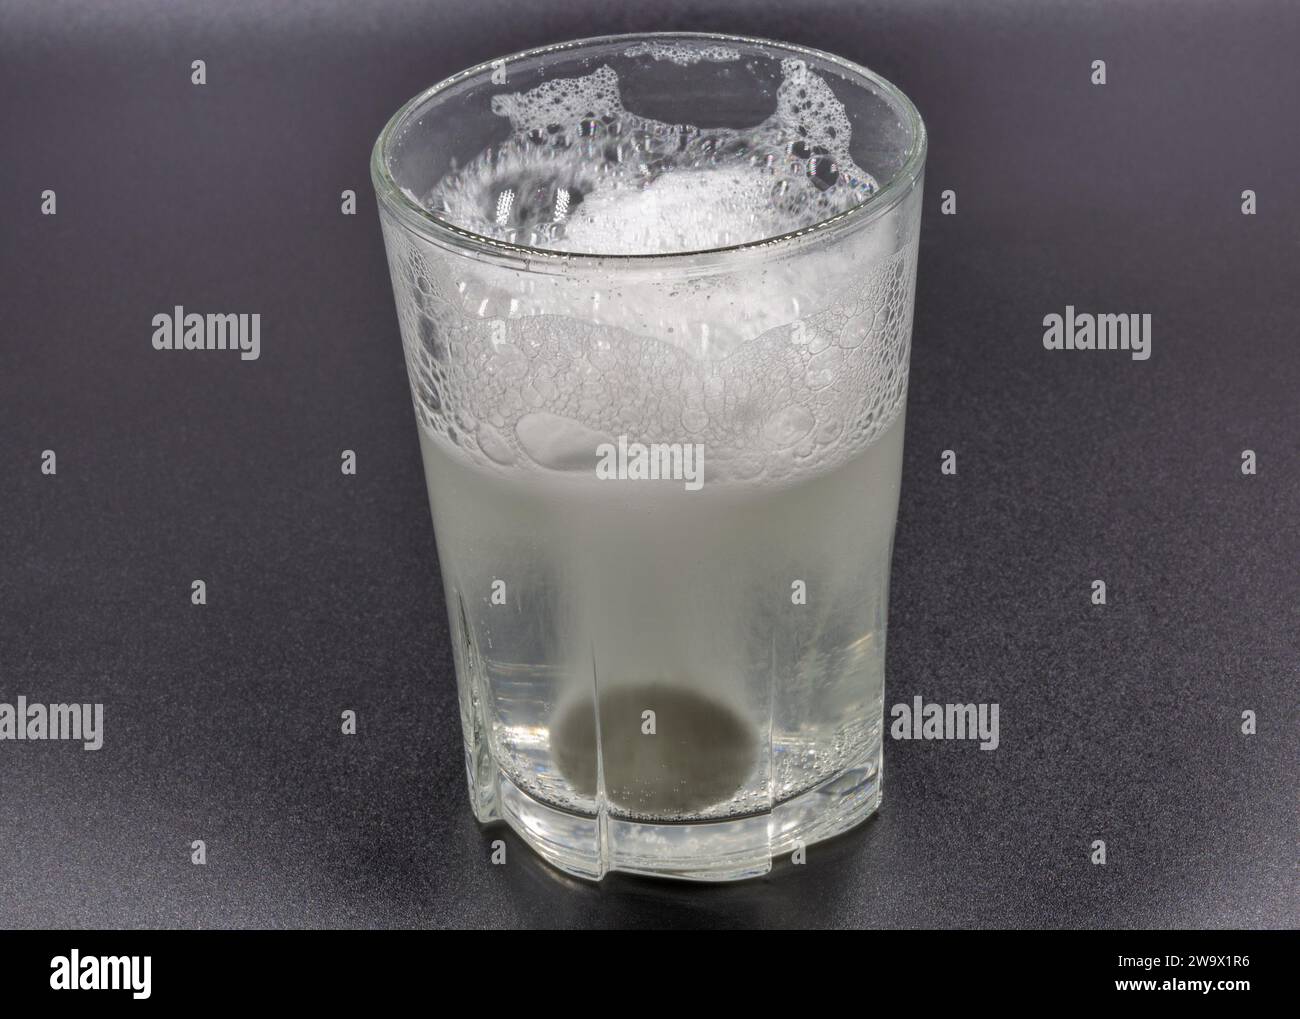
pixel 557 106
pixel 780 368
pixel 682 54
pixel 541 392
pixel 580 172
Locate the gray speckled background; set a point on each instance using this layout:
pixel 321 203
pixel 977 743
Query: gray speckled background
pixel 1118 723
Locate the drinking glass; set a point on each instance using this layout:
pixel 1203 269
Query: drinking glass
pixel 655 296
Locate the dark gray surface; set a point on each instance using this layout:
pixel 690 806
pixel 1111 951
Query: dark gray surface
pixel 1118 723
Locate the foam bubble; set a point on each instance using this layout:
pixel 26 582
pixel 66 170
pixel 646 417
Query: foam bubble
pixel 681 54
pixel 583 173
pixel 559 442
pixel 562 103
pixel 781 367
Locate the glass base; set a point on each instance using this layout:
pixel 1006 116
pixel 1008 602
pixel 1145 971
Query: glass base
pixel 727 850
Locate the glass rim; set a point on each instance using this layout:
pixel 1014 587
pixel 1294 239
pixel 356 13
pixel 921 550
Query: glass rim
pixel 415 217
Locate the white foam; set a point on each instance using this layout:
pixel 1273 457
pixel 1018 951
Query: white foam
pixel 564 101
pixel 583 173
pixel 681 54
pixel 781 367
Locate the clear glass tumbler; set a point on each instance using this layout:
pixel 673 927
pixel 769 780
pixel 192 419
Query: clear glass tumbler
pixel 655 295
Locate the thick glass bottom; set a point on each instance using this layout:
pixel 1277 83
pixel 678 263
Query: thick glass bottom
pixel 715 850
